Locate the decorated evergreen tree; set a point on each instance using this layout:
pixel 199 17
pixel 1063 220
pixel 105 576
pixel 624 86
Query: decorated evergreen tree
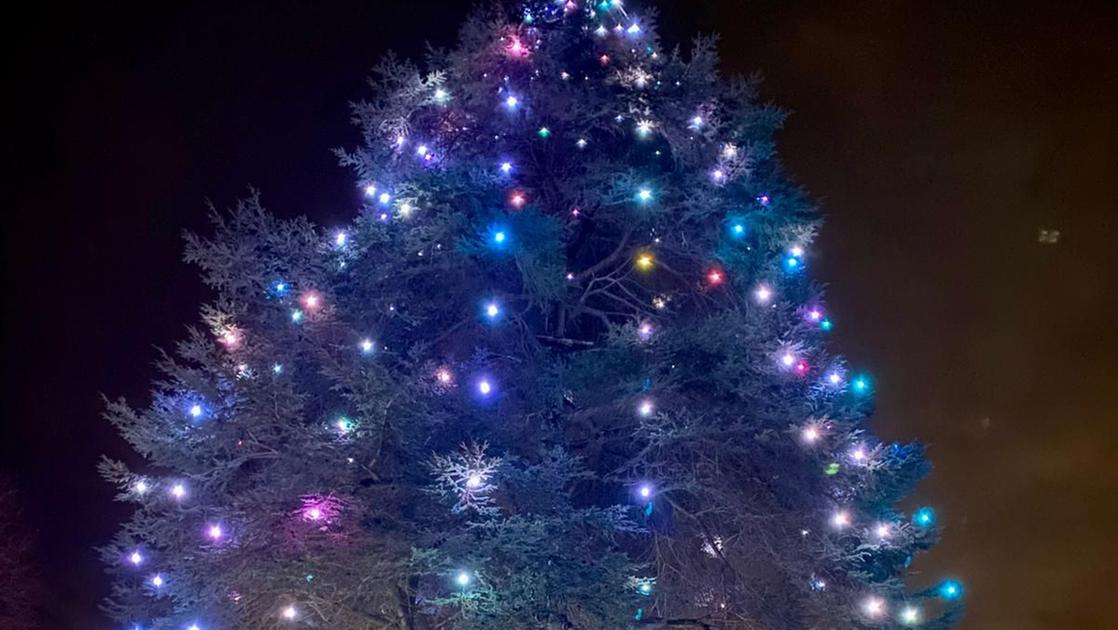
pixel 565 369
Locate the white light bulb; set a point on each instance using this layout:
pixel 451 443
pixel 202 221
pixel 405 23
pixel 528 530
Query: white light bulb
pixel 196 410
pixel 492 310
pixel 811 435
pixel 462 578
pixel 136 558
pixel 484 387
pixel 882 530
pixel 512 102
pixel 841 519
pixel 474 481
pixel 384 197
pixel 645 194
pixel 910 615
pixel 763 294
pixel 289 613
pixel 874 607
pixel 340 239
pixel 788 359
pixel 157 581
pixel 835 378
pixel 645 408
pixel 178 490
pixel 506 167
pixel 366 345
pixel 214 532
pixel 370 190
pixel 141 487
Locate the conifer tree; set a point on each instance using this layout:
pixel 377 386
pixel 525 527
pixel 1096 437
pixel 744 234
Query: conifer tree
pixel 566 368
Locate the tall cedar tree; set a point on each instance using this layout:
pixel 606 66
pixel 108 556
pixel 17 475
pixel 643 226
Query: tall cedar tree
pixel 564 369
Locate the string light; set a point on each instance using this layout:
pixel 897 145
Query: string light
pixel 882 531
pixel 644 332
pixel 644 195
pixel 344 425
pixel 645 408
pixel 644 128
pixel 696 122
pixel 517 200
pixel 196 411
pixel 289 613
pixel 157 580
pixel 313 514
pixel 715 277
pixel 492 310
pixel 441 95
pixel 950 589
pixel 463 579
pixel 924 517
pixel 645 491
pixel 214 532
pixel 484 387
pixel 910 615
pixel 277 368
pixel 384 198
pixel 311 301
pixel 370 190
pixel 444 376
pixel 340 239
pixel 506 167
pixel 366 346
pixel 178 490
pixel 763 294
pixel 841 519
pixel 874 607
pixel 136 558
pixel 581 143
pixel 140 487
pixel 810 434
pixel 645 261
pixel 511 102
pixel 474 481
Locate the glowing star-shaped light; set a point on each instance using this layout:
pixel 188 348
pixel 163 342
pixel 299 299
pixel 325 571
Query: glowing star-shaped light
pixel 601 31
pixel 214 532
pixel 506 167
pixel 444 376
pixel 441 95
pixel 474 481
pixel 277 368
pixel 517 200
pixel 516 48
pixel 581 143
pixel 136 558
pixel 499 237
pixel 340 239
pixel 194 626
pixel 796 251
pixel 810 435
pixel 841 519
pixel 463 579
pixel 697 122
pixel 645 491
pixel 834 378
pixel 140 487
pixel 344 425
pixel 815 315
pixel 484 387
pixel 645 331
pixel 645 588
pixel 715 277
pixel 492 310
pixel 858 454
pixel 311 301
pixel 366 346
pixel 873 607
pixel 289 613
pixel 788 359
pixel 644 128
pixel 196 411
pixel 924 517
pixel 384 198
pixel 313 514
pixel 511 102
pixel 645 408
pixel 370 190
pixel 763 294
pixel 178 490
pixel 718 175
pixel 633 29
pixel 910 615
pixel 157 580
pixel 645 261
pixel 645 195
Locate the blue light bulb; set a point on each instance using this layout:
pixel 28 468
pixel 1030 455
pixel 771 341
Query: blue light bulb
pixel 826 324
pixel 950 589
pixel 924 517
pixel 499 237
pixel 492 310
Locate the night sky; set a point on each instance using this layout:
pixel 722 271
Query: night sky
pixel 938 136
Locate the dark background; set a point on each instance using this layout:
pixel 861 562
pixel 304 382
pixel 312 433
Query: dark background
pixel 939 136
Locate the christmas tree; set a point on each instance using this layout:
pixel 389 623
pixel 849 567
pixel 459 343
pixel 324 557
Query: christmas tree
pixel 565 369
